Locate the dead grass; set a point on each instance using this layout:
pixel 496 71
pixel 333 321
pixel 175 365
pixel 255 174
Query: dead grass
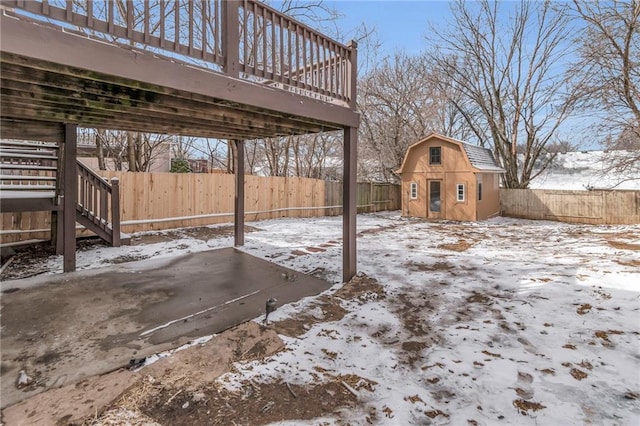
pixel 524 406
pixel 583 309
pixel 459 246
pixel 578 374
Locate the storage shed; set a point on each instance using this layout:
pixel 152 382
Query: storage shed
pixel 444 178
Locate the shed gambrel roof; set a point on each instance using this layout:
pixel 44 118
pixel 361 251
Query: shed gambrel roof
pixel 480 158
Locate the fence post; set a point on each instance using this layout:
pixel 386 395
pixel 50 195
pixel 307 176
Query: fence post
pixel 231 37
pixel 372 206
pixel 115 212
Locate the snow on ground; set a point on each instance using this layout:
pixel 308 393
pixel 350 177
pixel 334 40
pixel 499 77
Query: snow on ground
pixel 499 322
pixel 583 170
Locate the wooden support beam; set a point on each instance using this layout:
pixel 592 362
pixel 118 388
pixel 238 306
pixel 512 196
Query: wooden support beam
pixel 31 130
pixel 70 185
pixel 238 167
pixel 349 204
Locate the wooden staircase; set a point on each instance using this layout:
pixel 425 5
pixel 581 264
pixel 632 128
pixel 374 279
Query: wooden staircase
pixel 31 175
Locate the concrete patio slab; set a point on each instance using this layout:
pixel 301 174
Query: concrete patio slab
pixel 62 329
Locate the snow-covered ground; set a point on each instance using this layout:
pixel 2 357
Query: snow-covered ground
pixel 582 170
pixel 499 322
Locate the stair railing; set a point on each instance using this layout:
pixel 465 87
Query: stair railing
pixel 99 204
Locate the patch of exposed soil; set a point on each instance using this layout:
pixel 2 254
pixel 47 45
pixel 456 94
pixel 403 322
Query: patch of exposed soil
pixel 253 404
pixel 203 233
pixel 524 406
pixel 438 266
pixel 31 260
pixel 459 246
pixel 578 374
pixel 295 327
pixel 380 229
pixel 414 312
pixel 632 262
pixel 361 289
pixel 583 309
pixel 621 245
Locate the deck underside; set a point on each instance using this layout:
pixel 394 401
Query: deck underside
pixel 95 84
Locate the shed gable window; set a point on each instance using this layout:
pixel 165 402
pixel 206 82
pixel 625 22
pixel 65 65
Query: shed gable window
pixel 435 155
pixel 460 192
pixel 414 190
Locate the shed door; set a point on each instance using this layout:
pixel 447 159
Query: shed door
pixel 435 199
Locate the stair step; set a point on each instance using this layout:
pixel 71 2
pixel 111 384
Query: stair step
pixel 22 177
pixel 10 166
pixel 28 187
pixel 7 143
pixel 11 154
pixel 26 194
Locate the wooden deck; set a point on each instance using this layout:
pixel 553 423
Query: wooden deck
pixel 234 70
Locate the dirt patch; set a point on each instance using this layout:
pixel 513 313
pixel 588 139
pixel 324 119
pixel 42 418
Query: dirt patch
pixel 253 404
pixel 295 327
pixel 362 289
pixel 203 233
pixel 31 260
pixel 621 245
pixel 421 267
pixel 375 231
pixel 583 309
pixel 125 259
pixel 478 298
pixel 413 312
pixel 632 262
pixel 524 406
pixel 459 246
pixel 578 374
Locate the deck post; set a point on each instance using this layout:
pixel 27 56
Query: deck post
pixel 115 212
pixel 70 185
pixel 231 37
pixel 238 168
pixel 353 73
pixel 349 204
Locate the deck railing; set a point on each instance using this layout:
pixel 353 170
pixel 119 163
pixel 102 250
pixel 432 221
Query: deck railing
pixel 242 38
pixel 99 204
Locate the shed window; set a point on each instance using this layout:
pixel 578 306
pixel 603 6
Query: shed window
pixel 460 193
pixel 414 190
pixel 479 191
pixel 435 155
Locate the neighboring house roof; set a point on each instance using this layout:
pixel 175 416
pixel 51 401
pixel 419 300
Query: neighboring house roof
pixel 480 158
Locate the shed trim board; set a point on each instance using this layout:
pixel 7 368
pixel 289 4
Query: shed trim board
pixel 52 77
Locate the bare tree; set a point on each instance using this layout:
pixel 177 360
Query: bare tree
pixel 401 101
pixel 607 78
pixel 506 71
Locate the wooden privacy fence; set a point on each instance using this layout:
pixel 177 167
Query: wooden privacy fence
pixel 593 207
pixel 154 201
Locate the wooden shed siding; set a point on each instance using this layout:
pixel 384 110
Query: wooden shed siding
pixel 489 206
